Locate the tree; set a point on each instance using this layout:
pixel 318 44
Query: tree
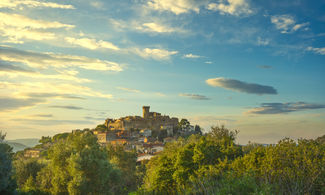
pixel 294 168
pixel 25 168
pixel 125 161
pixel 197 130
pixel 79 166
pixel 7 184
pixel 185 161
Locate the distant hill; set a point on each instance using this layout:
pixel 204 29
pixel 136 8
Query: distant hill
pixel 16 146
pixel 21 144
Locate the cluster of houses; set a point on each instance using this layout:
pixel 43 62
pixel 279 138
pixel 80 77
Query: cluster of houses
pixel 147 134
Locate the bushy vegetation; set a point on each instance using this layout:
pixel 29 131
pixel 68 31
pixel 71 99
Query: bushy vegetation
pixel 214 164
pixel 74 163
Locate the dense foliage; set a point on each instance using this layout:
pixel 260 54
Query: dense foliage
pixel 7 184
pixel 214 164
pixel 74 163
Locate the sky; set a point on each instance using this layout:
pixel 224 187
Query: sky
pixel 254 66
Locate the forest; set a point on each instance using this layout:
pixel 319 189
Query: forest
pixel 212 163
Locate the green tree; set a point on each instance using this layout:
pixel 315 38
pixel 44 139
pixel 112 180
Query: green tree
pixel 125 161
pixel 26 168
pixel 7 184
pixel 293 168
pixel 79 165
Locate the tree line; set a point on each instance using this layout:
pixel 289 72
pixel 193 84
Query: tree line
pixel 74 163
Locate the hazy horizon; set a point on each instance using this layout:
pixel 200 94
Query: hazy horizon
pixel 257 67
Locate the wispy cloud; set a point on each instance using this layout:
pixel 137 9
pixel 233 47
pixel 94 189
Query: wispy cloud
pixel 11 71
pixel 241 86
pixel 286 23
pixel 159 28
pixel 69 107
pixel 51 95
pixel 42 115
pixel 156 54
pixel 154 27
pixel 14 4
pixel 91 43
pixel 59 90
pixel 280 108
pixel 263 42
pixel 128 89
pixel 232 7
pixel 10 103
pixel 191 56
pixel 194 96
pixel 6 67
pixel 45 60
pixel 320 51
pixel 18 27
pixel 265 67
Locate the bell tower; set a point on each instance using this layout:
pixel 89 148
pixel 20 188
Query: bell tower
pixel 145 111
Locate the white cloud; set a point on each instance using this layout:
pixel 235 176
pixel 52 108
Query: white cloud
pixel 45 60
pixel 232 7
pixel 147 27
pixel 177 6
pixel 194 96
pixel 261 41
pixel 157 54
pixel 13 4
pixel 299 26
pixel 320 51
pixel 17 27
pixel 159 28
pixel 38 75
pixel 191 56
pixel 208 62
pixel 91 43
pixel 128 89
pixel 286 23
pixel 97 4
pixel 21 90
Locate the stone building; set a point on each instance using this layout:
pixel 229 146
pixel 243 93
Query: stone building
pixel 32 153
pixel 149 120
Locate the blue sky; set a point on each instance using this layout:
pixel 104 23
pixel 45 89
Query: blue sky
pixel 255 66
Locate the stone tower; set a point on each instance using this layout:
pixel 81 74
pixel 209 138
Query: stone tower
pixel 145 110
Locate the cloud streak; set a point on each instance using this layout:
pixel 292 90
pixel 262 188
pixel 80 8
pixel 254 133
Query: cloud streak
pixel 45 60
pixel 128 89
pixel 91 43
pixel 14 4
pixel 280 108
pixel 18 27
pixel 10 104
pixel 68 107
pixel 240 86
pixel 156 54
pixel 193 56
pixel 194 96
pixel 6 67
pixel 316 50
pixel 231 7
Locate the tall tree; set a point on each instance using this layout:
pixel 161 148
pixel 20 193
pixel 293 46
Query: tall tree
pixel 7 184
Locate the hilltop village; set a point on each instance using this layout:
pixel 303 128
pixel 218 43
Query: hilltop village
pixel 147 134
